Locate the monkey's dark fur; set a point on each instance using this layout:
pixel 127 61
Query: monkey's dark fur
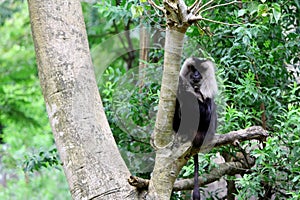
pixel 195 113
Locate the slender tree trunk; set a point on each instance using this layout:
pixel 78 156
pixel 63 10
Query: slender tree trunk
pixel 144 49
pixel 169 159
pixel 90 157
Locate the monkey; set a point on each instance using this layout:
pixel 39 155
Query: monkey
pixel 195 115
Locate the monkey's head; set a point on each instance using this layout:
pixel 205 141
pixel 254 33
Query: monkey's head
pixel 200 74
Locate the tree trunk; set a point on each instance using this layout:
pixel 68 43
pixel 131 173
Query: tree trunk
pixel 144 50
pixel 90 157
pixel 171 155
pixel 169 159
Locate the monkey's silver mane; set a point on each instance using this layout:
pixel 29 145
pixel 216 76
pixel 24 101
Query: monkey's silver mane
pixel 208 85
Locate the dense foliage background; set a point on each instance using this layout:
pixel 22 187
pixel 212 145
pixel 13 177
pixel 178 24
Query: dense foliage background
pixel 255 61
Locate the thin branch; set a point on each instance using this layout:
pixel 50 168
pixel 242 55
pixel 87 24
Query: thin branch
pixel 195 5
pixel 203 6
pixel 219 5
pixel 251 133
pixel 228 168
pixel 152 3
pixel 196 18
pixel 207 32
pixel 157 12
pixel 130 46
pixel 239 146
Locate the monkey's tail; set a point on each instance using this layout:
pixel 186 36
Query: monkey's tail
pixel 196 192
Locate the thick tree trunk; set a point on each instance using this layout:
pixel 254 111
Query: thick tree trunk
pixel 90 157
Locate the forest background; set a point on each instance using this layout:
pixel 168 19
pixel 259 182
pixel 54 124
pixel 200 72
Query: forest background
pixel 258 73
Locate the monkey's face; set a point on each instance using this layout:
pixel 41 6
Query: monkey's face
pixel 194 78
pixel 199 76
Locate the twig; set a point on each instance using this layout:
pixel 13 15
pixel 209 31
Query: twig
pixel 207 32
pixel 219 5
pixel 119 35
pixel 192 19
pixel 228 168
pixel 203 6
pixel 152 3
pixel 239 146
pixel 195 5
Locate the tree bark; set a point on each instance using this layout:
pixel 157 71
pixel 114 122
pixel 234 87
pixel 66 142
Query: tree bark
pixel 90 157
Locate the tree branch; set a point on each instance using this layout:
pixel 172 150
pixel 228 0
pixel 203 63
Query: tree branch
pixel 152 3
pixel 251 133
pixel 228 168
pixel 203 6
pixel 195 5
pixel 197 18
pixel 219 5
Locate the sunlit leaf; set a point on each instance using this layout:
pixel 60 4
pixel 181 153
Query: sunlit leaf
pixel 276 11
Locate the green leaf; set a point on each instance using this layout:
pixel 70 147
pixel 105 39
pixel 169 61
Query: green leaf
pixel 136 11
pixel 295 179
pixel 246 40
pixel 276 11
pixel 263 10
pixel 241 12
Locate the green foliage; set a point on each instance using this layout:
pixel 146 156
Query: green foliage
pixel 125 10
pixel 45 184
pixel 145 96
pixel 252 57
pixel 277 164
pixel 128 103
pixel 7 9
pixel 205 161
pixel 251 60
pixel 41 159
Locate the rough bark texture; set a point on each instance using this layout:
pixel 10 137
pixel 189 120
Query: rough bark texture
pixel 90 157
